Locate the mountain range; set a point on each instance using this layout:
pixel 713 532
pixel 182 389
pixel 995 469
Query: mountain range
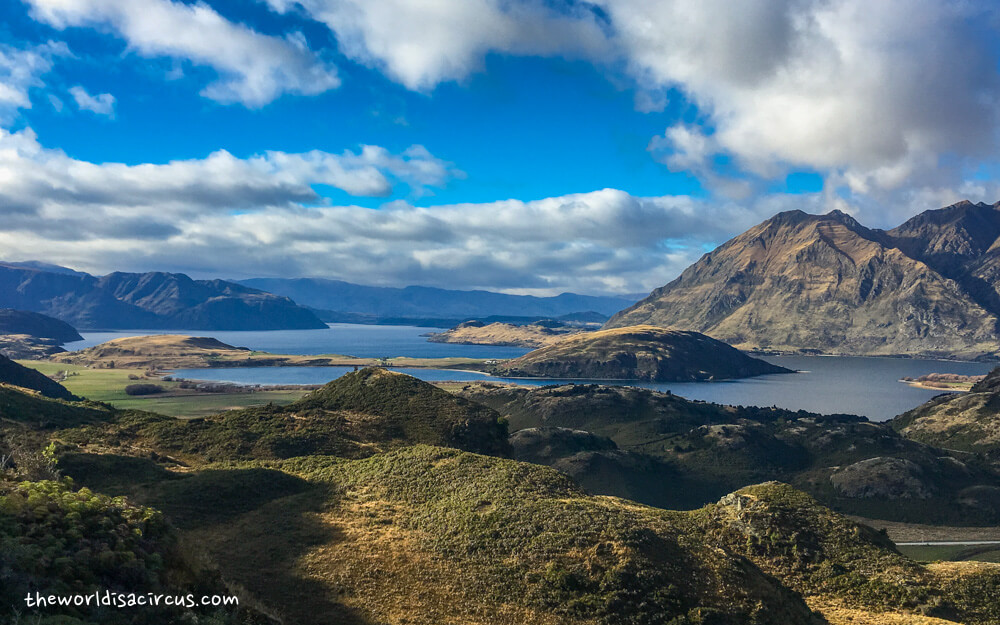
pixel 826 283
pixel 146 300
pixel 335 300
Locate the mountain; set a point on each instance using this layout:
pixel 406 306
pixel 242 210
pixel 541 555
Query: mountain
pixel 148 301
pixel 637 353
pixel 825 283
pixel 334 296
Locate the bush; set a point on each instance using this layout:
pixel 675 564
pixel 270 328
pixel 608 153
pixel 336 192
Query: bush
pixel 143 389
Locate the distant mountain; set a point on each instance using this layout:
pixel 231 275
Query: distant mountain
pixel 148 301
pixel 427 302
pixel 49 267
pixel 825 283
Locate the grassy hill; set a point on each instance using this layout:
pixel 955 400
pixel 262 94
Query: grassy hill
pixel 532 335
pixel 637 353
pixel 965 421
pixel 356 415
pixel 332 511
pixel 674 452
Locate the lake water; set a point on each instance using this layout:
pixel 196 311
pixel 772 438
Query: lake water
pixel 366 341
pixel 864 386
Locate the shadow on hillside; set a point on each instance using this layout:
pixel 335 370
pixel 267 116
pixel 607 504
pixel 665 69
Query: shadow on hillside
pixel 253 524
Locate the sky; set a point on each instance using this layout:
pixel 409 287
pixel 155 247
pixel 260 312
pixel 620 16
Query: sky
pixel 524 146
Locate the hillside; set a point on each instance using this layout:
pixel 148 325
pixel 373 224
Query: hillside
pixel 965 421
pixel 335 296
pixel 826 283
pixel 18 375
pixel 354 416
pixel 638 353
pixel 36 325
pixel 155 351
pixel 382 531
pixel 673 452
pixel 531 335
pixel 55 540
pixel 28 335
pixel 148 301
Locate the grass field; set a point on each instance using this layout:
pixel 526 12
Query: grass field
pixel 108 385
pixel 951 553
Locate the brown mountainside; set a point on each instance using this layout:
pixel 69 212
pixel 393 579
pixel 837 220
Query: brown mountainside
pixel 827 283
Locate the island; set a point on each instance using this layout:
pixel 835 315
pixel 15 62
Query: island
pixel 177 351
pixel 638 353
pixel 538 334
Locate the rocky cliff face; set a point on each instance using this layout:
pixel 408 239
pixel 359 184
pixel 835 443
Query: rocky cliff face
pixel 827 283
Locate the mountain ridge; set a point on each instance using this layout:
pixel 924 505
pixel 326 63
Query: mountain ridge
pixel 338 296
pixel 826 283
pixel 153 300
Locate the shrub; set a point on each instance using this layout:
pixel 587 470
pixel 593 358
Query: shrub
pixel 143 389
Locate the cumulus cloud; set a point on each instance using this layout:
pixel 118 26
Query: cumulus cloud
pixel 228 216
pixel 101 104
pixel 21 70
pixel 421 44
pixel 48 184
pixel 253 68
pixel 874 96
pixel 871 93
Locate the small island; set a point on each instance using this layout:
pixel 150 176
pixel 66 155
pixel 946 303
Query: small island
pixel 163 352
pixel 944 381
pixel 638 353
pixel 534 335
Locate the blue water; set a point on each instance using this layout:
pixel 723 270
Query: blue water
pixel 367 341
pixel 863 386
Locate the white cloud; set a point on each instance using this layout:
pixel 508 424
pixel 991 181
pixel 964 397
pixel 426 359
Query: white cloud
pixel 36 181
pixel 874 93
pixel 227 216
pixel 101 104
pixel 253 68
pixel 21 70
pixel 422 43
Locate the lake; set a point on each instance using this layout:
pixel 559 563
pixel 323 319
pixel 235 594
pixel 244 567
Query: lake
pixel 366 341
pixel 826 384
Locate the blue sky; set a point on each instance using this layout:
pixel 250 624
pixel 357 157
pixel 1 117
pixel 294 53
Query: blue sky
pixel 524 128
pixel 526 146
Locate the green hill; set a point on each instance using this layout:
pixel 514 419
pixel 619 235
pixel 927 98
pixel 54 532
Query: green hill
pixel 403 407
pixel 673 452
pixel 356 415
